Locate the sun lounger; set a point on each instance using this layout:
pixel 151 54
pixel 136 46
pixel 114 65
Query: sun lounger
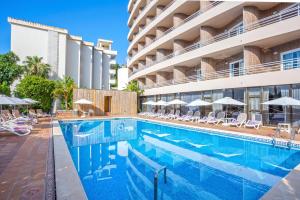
pixel 166 116
pixel 40 113
pixel 239 121
pixel 256 122
pixel 175 116
pixel 15 129
pixel 186 117
pixel 210 115
pixel 196 116
pixel 216 120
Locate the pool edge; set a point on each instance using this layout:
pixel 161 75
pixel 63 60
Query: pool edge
pixel 67 182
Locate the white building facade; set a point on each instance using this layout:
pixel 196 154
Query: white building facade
pixel 88 65
pixel 122 78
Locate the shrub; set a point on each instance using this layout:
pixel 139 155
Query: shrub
pixel 37 88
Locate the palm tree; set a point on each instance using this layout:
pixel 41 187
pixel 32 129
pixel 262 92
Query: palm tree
pixel 35 66
pixel 64 88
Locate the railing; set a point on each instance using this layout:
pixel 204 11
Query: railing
pixel 165 8
pixel 189 18
pixel 283 15
pixel 226 73
pixel 142 13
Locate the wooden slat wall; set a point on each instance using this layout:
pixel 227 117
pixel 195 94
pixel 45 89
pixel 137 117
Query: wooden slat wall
pixel 122 103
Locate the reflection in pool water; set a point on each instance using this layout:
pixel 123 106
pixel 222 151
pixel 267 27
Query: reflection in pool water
pixel 116 159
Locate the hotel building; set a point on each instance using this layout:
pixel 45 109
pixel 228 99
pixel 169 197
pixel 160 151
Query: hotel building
pixel 68 55
pixel 249 51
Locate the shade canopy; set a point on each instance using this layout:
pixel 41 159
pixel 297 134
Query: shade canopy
pixel 283 101
pixel 229 101
pixel 19 101
pixel 83 101
pixel 161 103
pixel 149 103
pixel 176 102
pixel 5 100
pixel 30 101
pixel 199 102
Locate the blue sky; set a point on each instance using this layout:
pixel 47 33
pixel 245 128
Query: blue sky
pixel 91 19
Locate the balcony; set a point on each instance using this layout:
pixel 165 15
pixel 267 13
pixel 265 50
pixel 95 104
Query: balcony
pixel 189 18
pixel 281 16
pixel 271 73
pixel 151 23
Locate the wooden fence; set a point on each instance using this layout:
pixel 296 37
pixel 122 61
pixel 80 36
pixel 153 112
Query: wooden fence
pixel 107 102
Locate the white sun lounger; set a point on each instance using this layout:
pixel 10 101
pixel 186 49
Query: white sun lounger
pixel 216 120
pixel 239 121
pixel 210 115
pixel 256 122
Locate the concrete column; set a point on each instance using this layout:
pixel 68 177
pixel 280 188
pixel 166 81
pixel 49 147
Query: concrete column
pixel 149 39
pixel 161 77
pixel 252 56
pixel 159 9
pixel 160 53
pixel 130 70
pixel 141 27
pixel 207 67
pixel 149 59
pixel 207 32
pixel 178 19
pixel 150 80
pixel 141 64
pixel 140 10
pixel 141 45
pixel 178 45
pixel 179 73
pixel 149 19
pixel 134 51
pixel 204 4
pixel 141 82
pixel 250 15
pixel 160 30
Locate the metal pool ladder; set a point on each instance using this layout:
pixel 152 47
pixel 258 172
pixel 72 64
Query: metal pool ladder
pixel 292 137
pixel 156 175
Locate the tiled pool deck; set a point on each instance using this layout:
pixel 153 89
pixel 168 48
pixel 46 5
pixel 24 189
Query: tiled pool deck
pixel 25 164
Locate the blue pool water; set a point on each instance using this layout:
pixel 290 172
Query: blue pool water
pixel 117 159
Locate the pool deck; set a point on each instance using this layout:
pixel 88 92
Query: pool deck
pixel 25 162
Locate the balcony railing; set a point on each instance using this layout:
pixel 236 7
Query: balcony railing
pixel 248 70
pixel 281 16
pixel 142 13
pixel 194 15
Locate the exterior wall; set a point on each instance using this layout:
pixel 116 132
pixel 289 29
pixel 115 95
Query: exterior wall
pixel 105 71
pixel 122 103
pixel 122 78
pixel 97 69
pixel 86 61
pixel 73 60
pixel 62 53
pixel 66 54
pixel 36 39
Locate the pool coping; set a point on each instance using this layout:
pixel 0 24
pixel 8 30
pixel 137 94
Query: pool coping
pixel 284 189
pixel 67 182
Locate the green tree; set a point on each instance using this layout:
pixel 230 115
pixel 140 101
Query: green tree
pixel 5 89
pixel 37 88
pixel 64 89
pixel 9 69
pixel 133 86
pixel 34 66
pixel 116 68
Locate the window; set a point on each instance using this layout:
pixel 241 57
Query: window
pixel 290 59
pixel 236 68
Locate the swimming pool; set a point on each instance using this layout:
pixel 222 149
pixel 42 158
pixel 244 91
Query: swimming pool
pixel 118 158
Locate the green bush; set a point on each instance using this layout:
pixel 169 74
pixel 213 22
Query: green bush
pixel 4 89
pixel 37 88
pixel 9 69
